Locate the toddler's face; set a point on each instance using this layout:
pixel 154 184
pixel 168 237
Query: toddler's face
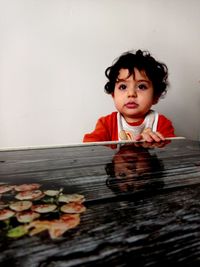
pixel 133 95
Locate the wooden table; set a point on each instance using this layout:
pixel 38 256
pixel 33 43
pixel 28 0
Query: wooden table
pixel 143 205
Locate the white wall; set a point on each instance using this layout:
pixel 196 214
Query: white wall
pixel 53 54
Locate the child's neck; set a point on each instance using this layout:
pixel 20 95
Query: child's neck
pixel 136 120
pixel 133 120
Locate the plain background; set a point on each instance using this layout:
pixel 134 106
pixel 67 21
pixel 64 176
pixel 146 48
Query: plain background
pixel 53 54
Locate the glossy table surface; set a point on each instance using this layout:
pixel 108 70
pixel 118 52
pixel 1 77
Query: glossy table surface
pixel 142 205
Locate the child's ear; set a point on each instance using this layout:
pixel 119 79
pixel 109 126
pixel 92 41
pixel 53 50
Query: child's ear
pixel 112 94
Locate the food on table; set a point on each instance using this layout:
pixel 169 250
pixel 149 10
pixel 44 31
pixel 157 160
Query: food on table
pixel 17 231
pixel 44 208
pixel 3 204
pixel 56 227
pixel 27 187
pixel 37 210
pixel 67 198
pixel 59 227
pixel 35 194
pixel 52 193
pixel 6 214
pixel 73 207
pixel 27 216
pixel 5 188
pixel 38 226
pixel 20 205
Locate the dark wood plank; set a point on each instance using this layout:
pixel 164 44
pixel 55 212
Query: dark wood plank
pixel 146 212
pixel 147 231
pixel 88 169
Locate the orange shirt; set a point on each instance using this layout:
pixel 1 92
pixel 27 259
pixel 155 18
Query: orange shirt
pixel 107 130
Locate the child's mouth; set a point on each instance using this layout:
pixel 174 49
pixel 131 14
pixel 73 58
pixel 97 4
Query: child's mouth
pixel 131 105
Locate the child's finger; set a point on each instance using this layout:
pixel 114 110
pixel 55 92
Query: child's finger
pixel 153 136
pixel 138 137
pixel 148 137
pixel 161 136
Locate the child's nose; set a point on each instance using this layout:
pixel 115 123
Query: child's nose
pixel 132 92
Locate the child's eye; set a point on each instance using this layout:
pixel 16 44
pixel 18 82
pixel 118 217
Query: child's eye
pixel 142 86
pixel 122 174
pixel 122 87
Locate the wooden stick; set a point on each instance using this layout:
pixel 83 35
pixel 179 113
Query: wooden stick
pixel 84 144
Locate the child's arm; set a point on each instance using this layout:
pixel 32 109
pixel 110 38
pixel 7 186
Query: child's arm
pixel 99 134
pixel 165 127
pixel 105 130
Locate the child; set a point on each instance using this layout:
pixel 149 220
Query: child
pixel 136 81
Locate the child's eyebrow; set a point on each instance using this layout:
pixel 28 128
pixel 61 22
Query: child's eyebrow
pixel 143 80
pixel 125 80
pixel 121 80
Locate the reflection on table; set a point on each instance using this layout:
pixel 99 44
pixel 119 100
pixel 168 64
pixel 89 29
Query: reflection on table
pixel 134 168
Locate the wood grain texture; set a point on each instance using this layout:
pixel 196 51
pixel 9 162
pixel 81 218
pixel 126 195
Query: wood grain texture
pixel 143 205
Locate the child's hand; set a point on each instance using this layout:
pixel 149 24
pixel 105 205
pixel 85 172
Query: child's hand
pixel 148 136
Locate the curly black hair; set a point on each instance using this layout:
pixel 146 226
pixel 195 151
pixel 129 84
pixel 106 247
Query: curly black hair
pixel 157 72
